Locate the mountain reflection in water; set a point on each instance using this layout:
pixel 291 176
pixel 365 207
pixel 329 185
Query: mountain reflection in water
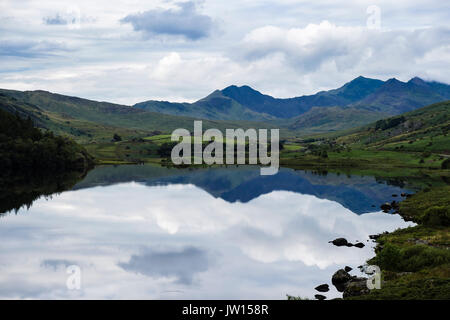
pixel 157 233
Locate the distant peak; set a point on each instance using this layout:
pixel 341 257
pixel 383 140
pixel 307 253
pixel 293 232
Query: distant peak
pixel 362 79
pixel 235 87
pixel 393 80
pixel 416 80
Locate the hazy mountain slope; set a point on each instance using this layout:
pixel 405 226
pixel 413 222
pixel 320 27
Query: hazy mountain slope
pixel 215 106
pixel 333 119
pixel 243 102
pixel 387 98
pixel 421 130
pixel 395 97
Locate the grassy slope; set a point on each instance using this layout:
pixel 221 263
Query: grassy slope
pixel 89 121
pixel 425 129
pixel 332 119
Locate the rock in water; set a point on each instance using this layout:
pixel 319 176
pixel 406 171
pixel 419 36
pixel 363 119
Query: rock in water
pixel 320 297
pixel 386 206
pixel 348 269
pixel 339 242
pixel 359 245
pixel 322 288
pixel 340 279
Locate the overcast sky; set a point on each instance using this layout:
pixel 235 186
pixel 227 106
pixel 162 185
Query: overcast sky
pixel 131 51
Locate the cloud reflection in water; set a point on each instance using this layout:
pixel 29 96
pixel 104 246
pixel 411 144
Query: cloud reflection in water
pixel 178 241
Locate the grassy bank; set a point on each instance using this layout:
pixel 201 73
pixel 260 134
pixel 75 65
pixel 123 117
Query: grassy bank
pixel 415 261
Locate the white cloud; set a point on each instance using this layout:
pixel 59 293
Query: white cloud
pixel 284 49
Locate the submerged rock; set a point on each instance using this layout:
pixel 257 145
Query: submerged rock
pixel 322 288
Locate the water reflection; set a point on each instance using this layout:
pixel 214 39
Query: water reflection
pixel 159 239
pixel 360 194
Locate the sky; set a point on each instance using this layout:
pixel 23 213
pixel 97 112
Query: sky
pixel 132 51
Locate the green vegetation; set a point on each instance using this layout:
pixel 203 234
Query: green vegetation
pixel 26 148
pixel 89 121
pixel 415 261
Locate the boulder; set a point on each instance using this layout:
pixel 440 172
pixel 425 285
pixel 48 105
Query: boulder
pixel 359 245
pixel 348 269
pixel 356 287
pixel 386 206
pixel 319 297
pixel 339 242
pixel 322 288
pixel 394 204
pixel 340 279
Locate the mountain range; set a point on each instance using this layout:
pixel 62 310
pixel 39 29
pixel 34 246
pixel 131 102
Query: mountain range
pixel 374 97
pixel 358 102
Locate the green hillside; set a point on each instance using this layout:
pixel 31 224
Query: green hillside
pixel 421 130
pixel 330 119
pixel 90 121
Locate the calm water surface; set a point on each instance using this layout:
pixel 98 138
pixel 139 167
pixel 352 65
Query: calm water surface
pixel 225 233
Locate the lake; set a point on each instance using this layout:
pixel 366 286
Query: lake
pixel 149 232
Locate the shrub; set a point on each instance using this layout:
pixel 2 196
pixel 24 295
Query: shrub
pixel 410 259
pixel 446 164
pixel 436 216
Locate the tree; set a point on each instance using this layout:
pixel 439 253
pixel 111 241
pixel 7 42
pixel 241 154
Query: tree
pixel 117 138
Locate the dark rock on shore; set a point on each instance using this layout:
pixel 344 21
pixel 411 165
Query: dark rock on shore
pixel 394 205
pixel 340 279
pixel 323 288
pixel 348 284
pixel 319 297
pixel 348 269
pixel 356 287
pixel 386 206
pixel 376 236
